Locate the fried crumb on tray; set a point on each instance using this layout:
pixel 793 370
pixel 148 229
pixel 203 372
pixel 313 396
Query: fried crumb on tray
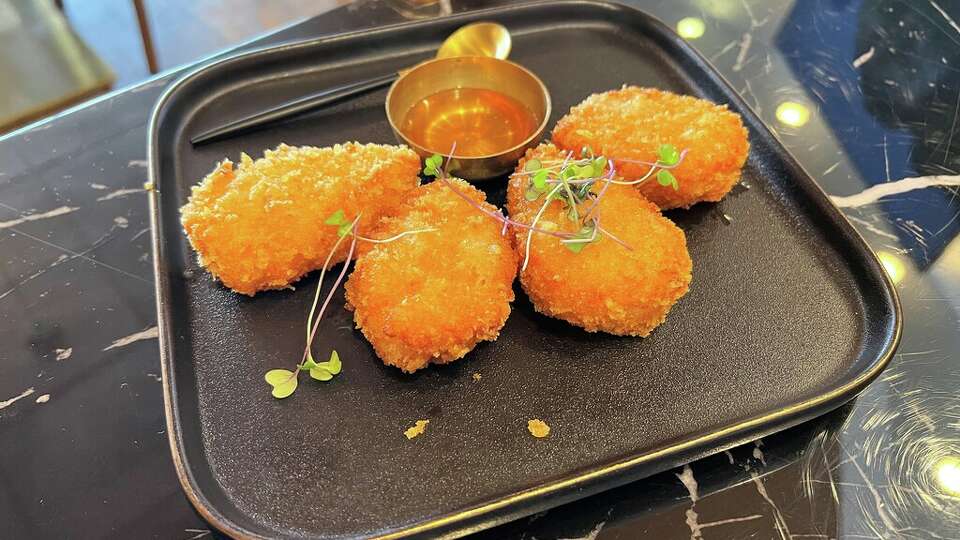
pixel 417 429
pixel 538 428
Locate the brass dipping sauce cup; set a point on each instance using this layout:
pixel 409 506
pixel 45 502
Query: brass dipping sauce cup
pixel 502 76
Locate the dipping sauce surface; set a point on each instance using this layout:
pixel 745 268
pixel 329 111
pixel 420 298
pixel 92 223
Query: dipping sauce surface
pixel 482 122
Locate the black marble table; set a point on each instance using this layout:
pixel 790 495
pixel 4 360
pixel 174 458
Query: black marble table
pixel 865 94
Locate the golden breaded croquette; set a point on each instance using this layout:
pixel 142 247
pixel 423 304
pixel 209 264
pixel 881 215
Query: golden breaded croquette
pixel 606 286
pixel 632 123
pixel 431 297
pixel 260 225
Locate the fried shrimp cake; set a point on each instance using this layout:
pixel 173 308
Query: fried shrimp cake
pixel 432 296
pixel 259 225
pixel 632 123
pixel 605 286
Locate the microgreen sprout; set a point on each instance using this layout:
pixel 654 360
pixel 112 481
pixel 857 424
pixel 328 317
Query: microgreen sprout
pixel 284 381
pixel 668 155
pixel 570 181
pixel 433 165
pixel 339 220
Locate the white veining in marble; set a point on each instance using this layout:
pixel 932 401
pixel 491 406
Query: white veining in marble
pixel 592 535
pixel 758 453
pixel 731 520
pixel 119 193
pixel 864 58
pixel 34 217
pixel 778 519
pixel 872 228
pixel 11 401
pixel 949 20
pixel 874 193
pixel 693 519
pixel 149 333
pixel 745 43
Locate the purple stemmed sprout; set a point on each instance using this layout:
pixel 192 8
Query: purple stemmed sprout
pixel 284 380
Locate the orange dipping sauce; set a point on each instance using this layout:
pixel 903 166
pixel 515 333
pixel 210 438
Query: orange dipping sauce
pixel 482 122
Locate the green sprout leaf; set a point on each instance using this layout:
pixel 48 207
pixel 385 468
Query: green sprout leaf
pixel 433 165
pixel 576 247
pixel 324 371
pixel 283 381
pixel 344 229
pixel 668 155
pixel 533 165
pixel 320 374
pixel 584 233
pixel 333 365
pixel 665 178
pixel 585 171
pixel 337 218
pixel 599 165
pixel 540 180
pixel 532 194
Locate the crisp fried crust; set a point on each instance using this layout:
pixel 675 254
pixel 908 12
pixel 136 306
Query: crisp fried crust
pixel 632 123
pixel 605 287
pixel 260 225
pixel 433 296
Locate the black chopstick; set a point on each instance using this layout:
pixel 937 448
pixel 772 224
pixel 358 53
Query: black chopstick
pixel 290 109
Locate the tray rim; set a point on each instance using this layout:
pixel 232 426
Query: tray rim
pixel 445 525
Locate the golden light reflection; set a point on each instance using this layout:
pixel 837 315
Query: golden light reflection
pixel 793 114
pixel 893 265
pixel 691 27
pixel 947 473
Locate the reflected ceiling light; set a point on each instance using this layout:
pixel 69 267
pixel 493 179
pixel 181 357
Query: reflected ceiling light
pixel 792 113
pixel 691 27
pixel 893 265
pixel 947 474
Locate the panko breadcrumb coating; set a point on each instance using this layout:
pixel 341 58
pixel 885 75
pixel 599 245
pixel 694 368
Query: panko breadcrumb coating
pixel 632 123
pixel 605 287
pixel 432 296
pixel 260 225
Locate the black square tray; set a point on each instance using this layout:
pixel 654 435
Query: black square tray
pixel 788 316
